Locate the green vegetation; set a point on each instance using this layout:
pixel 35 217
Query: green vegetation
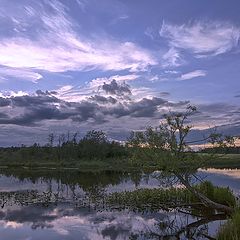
pixel 231 229
pixel 223 161
pixel 161 148
pixel 220 150
pixel 158 198
pixel 45 157
pixel 155 149
pixel 94 150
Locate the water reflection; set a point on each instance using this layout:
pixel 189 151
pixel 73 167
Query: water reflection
pixel 58 205
pixel 223 177
pixel 64 222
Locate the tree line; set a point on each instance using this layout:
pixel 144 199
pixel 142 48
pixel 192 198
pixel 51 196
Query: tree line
pixel 68 147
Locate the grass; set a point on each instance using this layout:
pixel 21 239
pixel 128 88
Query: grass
pixel 231 229
pixel 157 198
pixel 109 164
pixel 217 194
pixel 225 161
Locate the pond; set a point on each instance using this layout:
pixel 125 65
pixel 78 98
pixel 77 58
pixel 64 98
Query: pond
pixel 50 204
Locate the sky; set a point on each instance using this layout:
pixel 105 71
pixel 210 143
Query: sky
pixel 116 65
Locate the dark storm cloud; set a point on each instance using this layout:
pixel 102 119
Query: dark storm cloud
pixel 143 108
pixel 32 110
pixel 103 100
pixel 45 112
pixel 40 92
pixel 116 88
pixel 165 94
pixel 146 107
pixel 179 104
pixel 88 110
pixel 37 100
pixel 29 110
pixel 34 115
pixel 4 102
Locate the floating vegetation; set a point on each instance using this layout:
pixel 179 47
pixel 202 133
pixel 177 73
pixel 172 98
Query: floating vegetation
pixel 169 198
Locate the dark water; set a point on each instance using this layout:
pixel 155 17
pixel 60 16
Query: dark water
pixel 49 205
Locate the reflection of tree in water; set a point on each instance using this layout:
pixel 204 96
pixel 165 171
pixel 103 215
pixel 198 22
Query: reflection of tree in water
pixel 60 186
pixel 37 207
pixel 82 179
pixel 92 183
pixel 109 224
pixel 177 228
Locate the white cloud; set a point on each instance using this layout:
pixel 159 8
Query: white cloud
pixel 202 38
pixel 144 92
pixel 11 224
pixel 5 94
pixel 95 83
pixel 193 74
pixel 150 33
pixel 75 94
pixel 20 73
pixel 60 48
pixel 172 58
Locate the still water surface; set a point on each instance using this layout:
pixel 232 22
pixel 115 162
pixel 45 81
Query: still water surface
pixel 51 205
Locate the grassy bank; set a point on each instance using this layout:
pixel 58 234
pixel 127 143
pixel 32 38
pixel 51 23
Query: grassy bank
pixel 231 229
pixel 120 163
pixel 224 161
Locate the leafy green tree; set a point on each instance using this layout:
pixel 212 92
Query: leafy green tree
pixel 168 147
pixel 95 136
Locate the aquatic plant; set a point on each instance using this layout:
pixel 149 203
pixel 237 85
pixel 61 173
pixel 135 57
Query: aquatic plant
pixel 231 229
pixel 167 198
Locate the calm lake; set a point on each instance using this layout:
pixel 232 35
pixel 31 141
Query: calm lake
pixel 53 205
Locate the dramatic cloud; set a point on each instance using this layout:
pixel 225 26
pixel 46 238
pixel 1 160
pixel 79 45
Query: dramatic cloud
pixel 117 116
pixel 95 83
pixel 103 100
pixel 59 47
pixel 29 110
pixel 99 70
pixel 202 38
pixel 94 87
pixel 116 89
pixel 193 74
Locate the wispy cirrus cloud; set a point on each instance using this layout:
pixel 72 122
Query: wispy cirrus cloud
pixel 57 46
pixel 20 73
pixel 203 38
pixel 193 74
pixel 172 58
